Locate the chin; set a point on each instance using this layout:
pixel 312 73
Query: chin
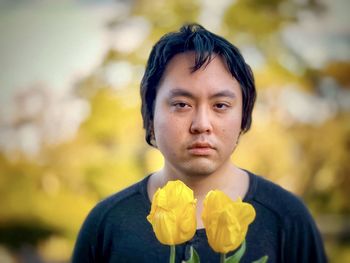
pixel 200 169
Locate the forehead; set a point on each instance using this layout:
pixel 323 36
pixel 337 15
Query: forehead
pixel 185 62
pixel 211 76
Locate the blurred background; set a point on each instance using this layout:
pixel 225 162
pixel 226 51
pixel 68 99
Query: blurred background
pixel 70 125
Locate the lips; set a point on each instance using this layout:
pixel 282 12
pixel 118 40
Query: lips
pixel 201 148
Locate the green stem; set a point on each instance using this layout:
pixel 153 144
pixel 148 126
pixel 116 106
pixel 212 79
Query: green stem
pixel 172 254
pixel 222 258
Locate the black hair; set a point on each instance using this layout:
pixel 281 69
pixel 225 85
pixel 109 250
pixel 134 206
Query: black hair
pixel 194 37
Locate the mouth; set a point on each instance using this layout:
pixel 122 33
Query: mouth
pixel 201 149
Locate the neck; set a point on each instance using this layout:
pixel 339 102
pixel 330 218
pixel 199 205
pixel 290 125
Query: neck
pixel 227 179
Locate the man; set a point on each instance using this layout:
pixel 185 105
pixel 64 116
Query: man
pixel 197 99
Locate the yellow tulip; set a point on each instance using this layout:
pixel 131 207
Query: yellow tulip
pixel 226 221
pixel 173 213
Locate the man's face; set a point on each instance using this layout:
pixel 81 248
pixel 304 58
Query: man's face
pixel 197 117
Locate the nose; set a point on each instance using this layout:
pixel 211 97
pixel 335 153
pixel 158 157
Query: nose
pixel 201 122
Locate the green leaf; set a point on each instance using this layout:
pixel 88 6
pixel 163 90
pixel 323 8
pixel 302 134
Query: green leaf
pixel 262 260
pixel 236 257
pixel 194 258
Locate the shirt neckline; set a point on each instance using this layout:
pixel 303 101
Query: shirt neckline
pixel 247 198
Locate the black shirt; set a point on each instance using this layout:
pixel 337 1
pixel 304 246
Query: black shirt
pixel 116 230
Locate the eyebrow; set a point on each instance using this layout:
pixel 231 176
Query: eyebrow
pixel 224 93
pixel 178 92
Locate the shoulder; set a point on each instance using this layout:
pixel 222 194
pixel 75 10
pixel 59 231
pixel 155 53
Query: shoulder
pixel 278 200
pixel 298 228
pixel 115 208
pixel 119 200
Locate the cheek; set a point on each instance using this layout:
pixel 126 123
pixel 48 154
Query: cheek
pixel 167 138
pixel 165 129
pixel 230 131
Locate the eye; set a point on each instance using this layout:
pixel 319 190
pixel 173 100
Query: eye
pixel 180 105
pixel 221 106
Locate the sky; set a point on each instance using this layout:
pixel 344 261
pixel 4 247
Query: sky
pixel 52 42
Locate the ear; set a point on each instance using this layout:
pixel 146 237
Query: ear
pixel 152 136
pixel 239 136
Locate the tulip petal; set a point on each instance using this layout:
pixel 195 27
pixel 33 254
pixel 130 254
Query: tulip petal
pixel 173 213
pixel 226 221
pixel 244 212
pixel 163 226
pixel 188 224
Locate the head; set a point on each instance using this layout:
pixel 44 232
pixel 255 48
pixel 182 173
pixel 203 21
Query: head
pixel 205 46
